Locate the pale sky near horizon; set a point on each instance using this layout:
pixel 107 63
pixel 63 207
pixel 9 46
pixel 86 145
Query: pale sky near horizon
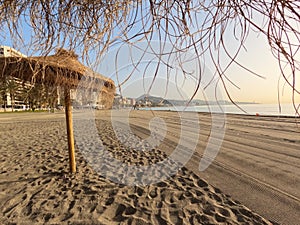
pixel 257 57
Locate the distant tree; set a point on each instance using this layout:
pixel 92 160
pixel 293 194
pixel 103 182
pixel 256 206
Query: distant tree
pixel 35 96
pixel 51 97
pixel 3 93
pixel 12 88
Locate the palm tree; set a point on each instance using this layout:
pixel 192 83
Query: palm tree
pixel 12 88
pixel 32 97
pixel 3 93
pixel 51 96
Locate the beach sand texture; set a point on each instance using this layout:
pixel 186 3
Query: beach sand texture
pixel 36 188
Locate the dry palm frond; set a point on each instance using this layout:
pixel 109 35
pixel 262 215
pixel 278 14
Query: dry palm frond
pixel 194 26
pixel 61 69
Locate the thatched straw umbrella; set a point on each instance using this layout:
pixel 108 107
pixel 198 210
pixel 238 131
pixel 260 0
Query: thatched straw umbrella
pixel 62 69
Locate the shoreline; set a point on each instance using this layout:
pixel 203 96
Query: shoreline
pixel 287 109
pixel 58 112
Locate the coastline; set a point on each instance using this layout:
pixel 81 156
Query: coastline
pixel 249 109
pixel 36 187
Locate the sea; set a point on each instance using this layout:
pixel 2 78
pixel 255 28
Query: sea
pixel 242 109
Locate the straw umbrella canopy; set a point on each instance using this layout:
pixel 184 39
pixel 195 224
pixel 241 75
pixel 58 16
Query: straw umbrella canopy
pixel 61 69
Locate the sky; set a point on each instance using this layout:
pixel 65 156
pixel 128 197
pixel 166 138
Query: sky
pixel 257 57
pixel 251 88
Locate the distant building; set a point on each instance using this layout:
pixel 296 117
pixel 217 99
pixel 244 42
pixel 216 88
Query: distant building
pixel 25 94
pixel 16 94
pixel 6 51
pixel 120 101
pixel 13 83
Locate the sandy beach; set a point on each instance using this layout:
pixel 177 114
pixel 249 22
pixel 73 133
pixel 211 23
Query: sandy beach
pixel 254 179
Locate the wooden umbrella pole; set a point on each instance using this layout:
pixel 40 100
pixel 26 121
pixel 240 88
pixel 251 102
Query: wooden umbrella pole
pixel 69 120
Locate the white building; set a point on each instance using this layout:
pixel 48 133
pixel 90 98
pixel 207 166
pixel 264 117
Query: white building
pixel 6 51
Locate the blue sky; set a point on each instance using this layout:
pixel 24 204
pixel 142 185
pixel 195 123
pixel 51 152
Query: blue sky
pixel 257 57
pixel 251 88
